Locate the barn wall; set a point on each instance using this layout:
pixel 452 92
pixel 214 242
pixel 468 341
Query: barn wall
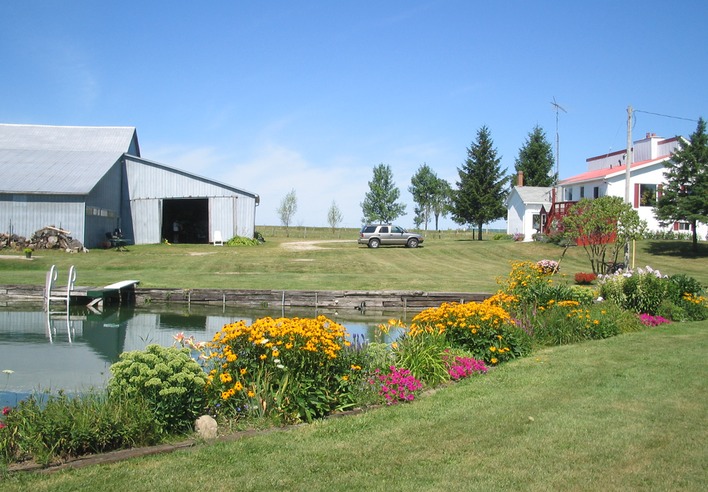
pixel 147 184
pixel 103 207
pixel 23 214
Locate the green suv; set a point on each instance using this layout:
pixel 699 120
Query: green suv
pixel 375 235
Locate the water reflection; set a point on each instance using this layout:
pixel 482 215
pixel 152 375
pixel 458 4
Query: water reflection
pixel 73 351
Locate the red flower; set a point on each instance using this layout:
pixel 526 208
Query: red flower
pixel 6 410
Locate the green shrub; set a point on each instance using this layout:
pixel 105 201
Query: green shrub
pixel 639 291
pixel 670 310
pixel 243 241
pixel 168 379
pixel 46 427
pixel 502 237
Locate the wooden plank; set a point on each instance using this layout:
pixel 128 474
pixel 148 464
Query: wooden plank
pixel 122 284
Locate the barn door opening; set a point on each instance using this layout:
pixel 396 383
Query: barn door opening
pixel 185 220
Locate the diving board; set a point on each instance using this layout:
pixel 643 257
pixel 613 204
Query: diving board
pixel 123 291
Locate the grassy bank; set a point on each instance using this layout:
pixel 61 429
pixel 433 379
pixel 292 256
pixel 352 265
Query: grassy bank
pixel 449 262
pixel 626 413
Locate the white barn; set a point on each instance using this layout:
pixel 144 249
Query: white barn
pixel 91 180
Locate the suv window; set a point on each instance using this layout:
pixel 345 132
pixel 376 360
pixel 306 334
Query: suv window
pixel 369 229
pixel 398 230
pixel 383 230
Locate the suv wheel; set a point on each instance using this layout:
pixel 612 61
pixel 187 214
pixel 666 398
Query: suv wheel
pixel 412 243
pixel 374 243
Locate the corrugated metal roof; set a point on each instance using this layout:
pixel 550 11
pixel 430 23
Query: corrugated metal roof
pixel 59 159
pixel 83 138
pixel 52 171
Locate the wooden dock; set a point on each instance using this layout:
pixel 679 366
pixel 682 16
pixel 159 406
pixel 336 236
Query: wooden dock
pixel 120 292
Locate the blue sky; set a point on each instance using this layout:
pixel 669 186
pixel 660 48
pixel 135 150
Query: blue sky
pixel 311 95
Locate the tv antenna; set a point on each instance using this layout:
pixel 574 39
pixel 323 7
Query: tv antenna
pixel 557 107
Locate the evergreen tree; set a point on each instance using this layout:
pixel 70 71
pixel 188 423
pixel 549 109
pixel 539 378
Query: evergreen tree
pixel 685 196
pixel 480 194
pixel 536 160
pixel 380 204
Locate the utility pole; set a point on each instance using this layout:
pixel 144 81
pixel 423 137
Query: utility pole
pixel 627 175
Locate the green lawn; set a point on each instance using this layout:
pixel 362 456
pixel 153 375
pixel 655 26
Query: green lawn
pixel 626 413
pixel 453 262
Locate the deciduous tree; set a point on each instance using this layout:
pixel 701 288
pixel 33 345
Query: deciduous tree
pixel 380 203
pixel 424 188
pixel 334 216
pixel 602 226
pixel 479 198
pixel 685 196
pixel 286 210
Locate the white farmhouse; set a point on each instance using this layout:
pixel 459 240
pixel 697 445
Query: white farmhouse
pixel 606 175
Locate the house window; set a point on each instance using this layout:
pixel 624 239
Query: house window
pixel 647 195
pixel 596 192
pixel 582 192
pixel 684 226
pixel 569 194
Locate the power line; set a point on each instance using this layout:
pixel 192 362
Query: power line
pixel 664 115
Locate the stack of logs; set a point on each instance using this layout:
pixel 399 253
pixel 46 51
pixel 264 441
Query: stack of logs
pixel 49 237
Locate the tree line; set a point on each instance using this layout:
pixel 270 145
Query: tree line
pixel 480 191
pixel 482 186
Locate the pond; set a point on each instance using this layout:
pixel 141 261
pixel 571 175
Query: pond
pixel 41 351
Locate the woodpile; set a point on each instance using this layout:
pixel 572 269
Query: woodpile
pixel 54 238
pixel 49 237
pixel 13 241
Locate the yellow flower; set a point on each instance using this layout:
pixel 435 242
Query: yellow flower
pixel 225 377
pixel 492 349
pixel 263 356
pixel 345 378
pixel 276 353
pixel 243 371
pixel 251 394
pixel 494 360
pixel 238 386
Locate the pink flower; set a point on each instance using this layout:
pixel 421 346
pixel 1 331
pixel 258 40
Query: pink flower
pixel 6 410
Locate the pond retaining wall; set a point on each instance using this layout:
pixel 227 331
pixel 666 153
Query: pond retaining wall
pixel 344 299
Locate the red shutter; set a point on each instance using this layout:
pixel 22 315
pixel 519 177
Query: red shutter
pixel 636 195
pixel 676 226
pixel 660 191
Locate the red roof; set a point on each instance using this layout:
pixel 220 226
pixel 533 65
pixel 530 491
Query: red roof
pixel 609 171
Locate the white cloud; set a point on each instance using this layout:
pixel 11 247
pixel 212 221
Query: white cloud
pixel 274 170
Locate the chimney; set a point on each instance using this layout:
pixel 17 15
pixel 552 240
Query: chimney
pixel 520 179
